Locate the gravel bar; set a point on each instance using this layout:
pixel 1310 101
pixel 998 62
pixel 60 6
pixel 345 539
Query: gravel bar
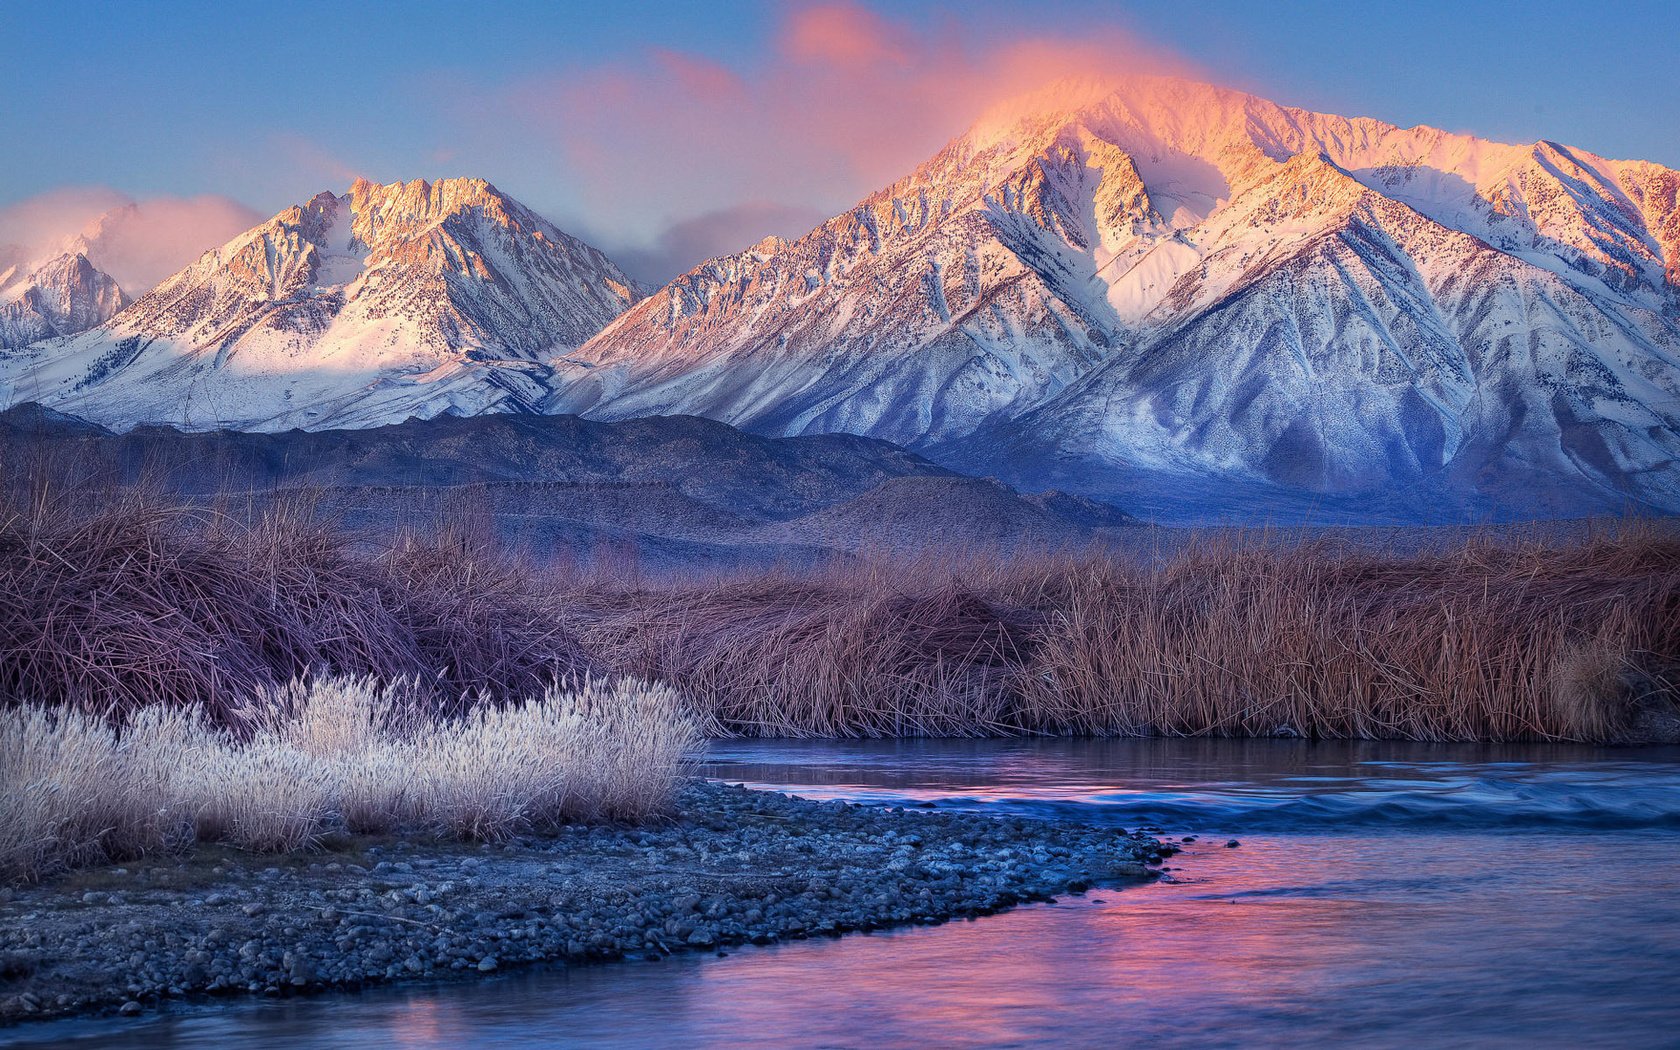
pixel 730 867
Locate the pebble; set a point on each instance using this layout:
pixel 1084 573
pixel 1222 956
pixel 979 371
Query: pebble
pixel 730 867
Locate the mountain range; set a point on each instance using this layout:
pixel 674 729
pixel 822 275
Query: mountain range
pixel 1173 296
pixel 1193 300
pixel 670 492
pixel 380 304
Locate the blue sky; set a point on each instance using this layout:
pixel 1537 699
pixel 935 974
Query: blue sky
pixel 268 104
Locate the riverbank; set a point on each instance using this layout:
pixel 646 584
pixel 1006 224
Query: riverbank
pixel 730 867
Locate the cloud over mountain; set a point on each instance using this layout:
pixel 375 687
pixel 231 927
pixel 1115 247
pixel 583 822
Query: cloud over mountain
pixel 138 242
pixel 841 102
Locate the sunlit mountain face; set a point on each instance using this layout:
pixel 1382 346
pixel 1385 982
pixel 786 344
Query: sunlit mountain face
pixel 1162 286
pixel 61 295
pixel 381 304
pixel 1182 298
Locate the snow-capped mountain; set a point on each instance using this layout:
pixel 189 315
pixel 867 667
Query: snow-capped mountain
pixel 385 303
pixel 61 296
pixel 1160 285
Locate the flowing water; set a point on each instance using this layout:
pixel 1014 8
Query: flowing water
pixel 1382 895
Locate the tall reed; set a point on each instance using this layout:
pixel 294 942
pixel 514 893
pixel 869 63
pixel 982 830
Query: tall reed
pixel 133 602
pixel 1484 641
pixel 117 599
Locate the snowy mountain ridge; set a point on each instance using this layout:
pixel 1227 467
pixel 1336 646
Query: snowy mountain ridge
pixel 1167 294
pixel 1116 287
pixel 62 295
pixel 389 301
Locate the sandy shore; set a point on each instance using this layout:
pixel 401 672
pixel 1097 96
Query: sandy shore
pixel 730 867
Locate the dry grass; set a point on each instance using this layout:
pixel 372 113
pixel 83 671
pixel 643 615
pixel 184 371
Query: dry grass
pixel 328 755
pixel 1486 641
pixel 115 600
pixel 134 603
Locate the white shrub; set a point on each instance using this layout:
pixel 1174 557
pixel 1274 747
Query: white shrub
pixel 332 752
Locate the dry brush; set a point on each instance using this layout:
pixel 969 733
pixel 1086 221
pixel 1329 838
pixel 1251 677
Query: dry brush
pixel 132 603
pixel 328 756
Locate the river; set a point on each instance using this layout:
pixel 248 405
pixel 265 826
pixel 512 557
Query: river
pixel 1385 895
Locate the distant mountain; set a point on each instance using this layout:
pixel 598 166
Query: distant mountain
pixel 1168 292
pixel 910 514
pixel 390 301
pixel 61 296
pixel 673 492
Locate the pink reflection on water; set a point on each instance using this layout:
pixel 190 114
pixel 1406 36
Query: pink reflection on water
pixel 1154 956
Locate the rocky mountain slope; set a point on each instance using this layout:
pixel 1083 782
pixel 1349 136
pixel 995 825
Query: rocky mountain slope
pixel 1171 292
pixel 61 296
pixel 669 492
pixel 390 301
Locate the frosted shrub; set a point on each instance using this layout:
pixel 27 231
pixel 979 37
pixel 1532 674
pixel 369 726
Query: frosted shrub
pixel 266 796
pixel 332 716
pixel 606 751
pixel 72 791
pixel 374 789
pixel 52 767
pixel 331 753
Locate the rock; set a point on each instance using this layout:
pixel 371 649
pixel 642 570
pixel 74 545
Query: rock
pixel 729 868
pixel 298 969
pixel 17 964
pixel 129 1008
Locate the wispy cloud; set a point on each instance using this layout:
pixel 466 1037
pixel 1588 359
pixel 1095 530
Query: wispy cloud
pixel 137 242
pixel 843 101
pixel 688 241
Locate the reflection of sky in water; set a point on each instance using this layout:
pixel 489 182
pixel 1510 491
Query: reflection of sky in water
pixel 1232 785
pixel 1432 931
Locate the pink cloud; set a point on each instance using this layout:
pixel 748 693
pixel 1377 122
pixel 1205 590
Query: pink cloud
pixel 843 35
pixel 699 78
pixel 843 103
pixel 137 242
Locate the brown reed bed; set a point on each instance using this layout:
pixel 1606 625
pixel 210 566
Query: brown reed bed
pixel 113 600
pixel 1482 642
pixel 1493 638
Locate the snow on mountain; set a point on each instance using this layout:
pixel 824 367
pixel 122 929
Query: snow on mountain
pixel 1169 285
pixel 385 303
pixel 61 296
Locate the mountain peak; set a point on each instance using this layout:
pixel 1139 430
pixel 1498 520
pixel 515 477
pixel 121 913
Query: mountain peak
pixel 1173 279
pixel 420 196
pixel 389 300
pixel 60 296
